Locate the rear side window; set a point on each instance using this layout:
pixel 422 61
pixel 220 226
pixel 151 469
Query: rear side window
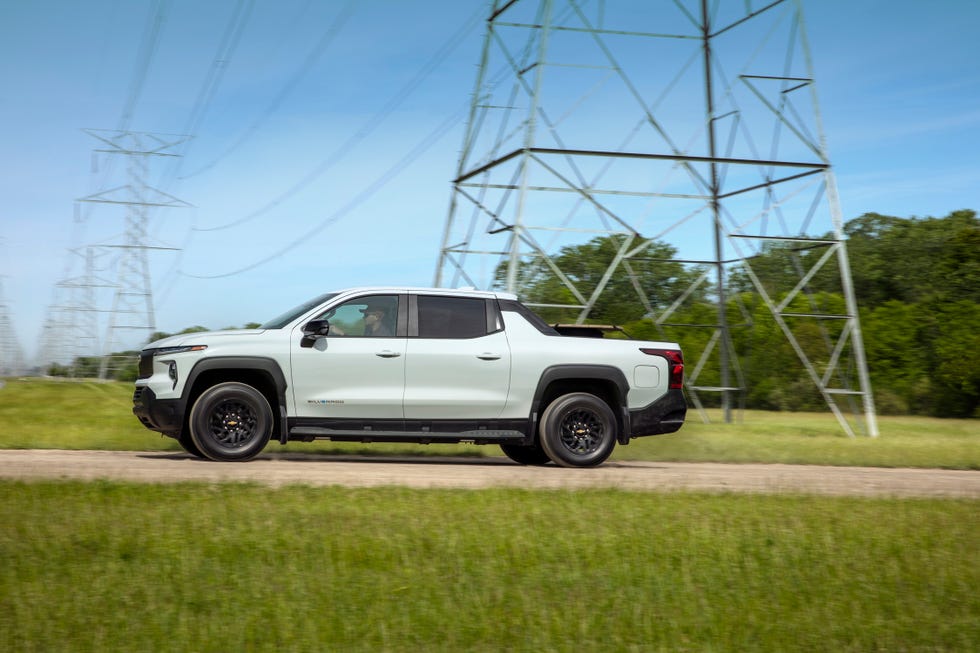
pixel 452 317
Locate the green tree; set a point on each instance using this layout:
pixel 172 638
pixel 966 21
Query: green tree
pixel 954 363
pixel 915 260
pixel 659 278
pixel 897 346
pixel 917 284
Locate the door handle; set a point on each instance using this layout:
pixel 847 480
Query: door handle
pixel 387 353
pixel 488 356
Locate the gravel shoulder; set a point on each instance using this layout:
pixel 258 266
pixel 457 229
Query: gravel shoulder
pixel 277 470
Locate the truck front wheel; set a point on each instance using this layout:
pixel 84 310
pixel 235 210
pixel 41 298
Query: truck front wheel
pixel 187 444
pixel 231 422
pixel 578 430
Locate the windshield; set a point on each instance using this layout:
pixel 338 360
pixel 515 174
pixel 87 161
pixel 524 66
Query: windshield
pixel 292 314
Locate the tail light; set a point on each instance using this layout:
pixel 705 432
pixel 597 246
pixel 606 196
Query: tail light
pixel 675 361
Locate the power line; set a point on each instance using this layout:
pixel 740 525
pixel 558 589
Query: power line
pixel 148 47
pixel 430 139
pixel 367 128
pixel 311 59
pixel 149 44
pixel 212 81
pixel 441 55
pixel 219 65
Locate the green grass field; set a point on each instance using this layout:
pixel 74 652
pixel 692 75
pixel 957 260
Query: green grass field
pixel 188 567
pixel 133 567
pixel 48 414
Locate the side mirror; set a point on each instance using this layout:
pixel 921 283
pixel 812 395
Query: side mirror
pixel 313 330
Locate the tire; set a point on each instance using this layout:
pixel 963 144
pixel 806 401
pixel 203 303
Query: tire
pixel 526 455
pixel 231 422
pixel 578 430
pixel 187 444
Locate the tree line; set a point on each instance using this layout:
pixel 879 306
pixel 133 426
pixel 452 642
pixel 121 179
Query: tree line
pixel 916 281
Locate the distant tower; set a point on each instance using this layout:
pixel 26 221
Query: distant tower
pixel 132 307
pixel 71 327
pixel 692 123
pixel 11 355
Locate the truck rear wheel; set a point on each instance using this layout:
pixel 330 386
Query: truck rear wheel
pixel 231 422
pixel 578 430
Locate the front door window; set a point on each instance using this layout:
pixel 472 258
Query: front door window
pixel 374 316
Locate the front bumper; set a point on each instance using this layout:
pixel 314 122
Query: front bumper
pixel 665 415
pixel 163 415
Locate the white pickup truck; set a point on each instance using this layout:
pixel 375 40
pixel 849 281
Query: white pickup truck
pixel 411 365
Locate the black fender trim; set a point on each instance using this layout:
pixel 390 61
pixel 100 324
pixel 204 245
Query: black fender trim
pixel 573 372
pixel 251 363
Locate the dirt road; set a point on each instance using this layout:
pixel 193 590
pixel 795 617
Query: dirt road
pixel 285 469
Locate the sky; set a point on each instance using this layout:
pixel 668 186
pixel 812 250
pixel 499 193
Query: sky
pixel 325 135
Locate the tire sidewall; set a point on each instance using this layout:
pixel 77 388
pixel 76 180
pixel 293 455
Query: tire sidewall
pixel 186 443
pixel 550 434
pixel 211 399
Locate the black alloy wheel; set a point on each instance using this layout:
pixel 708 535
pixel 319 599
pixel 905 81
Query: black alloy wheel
pixel 578 430
pixel 231 422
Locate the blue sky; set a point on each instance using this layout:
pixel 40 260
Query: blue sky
pixel 897 80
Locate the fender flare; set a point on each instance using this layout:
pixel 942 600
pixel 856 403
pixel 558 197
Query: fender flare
pixel 251 363
pixel 592 372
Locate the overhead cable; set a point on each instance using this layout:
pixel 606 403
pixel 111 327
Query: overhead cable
pixel 212 81
pixel 366 129
pixel 311 59
pixel 431 139
pixel 216 71
pixel 148 46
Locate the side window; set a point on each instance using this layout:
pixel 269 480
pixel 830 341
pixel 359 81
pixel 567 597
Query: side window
pixel 452 317
pixel 374 316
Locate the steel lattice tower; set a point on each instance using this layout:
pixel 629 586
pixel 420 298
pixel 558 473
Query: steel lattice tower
pixel 71 326
pixel 132 307
pixel 692 123
pixel 11 355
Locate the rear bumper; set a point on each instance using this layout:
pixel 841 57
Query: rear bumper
pixel 665 415
pixel 163 415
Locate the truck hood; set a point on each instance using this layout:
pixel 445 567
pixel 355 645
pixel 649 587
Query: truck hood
pixel 203 338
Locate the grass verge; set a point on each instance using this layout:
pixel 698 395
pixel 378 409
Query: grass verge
pixel 45 414
pixel 126 567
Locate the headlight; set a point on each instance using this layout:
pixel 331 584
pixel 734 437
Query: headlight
pixel 163 351
pixel 148 356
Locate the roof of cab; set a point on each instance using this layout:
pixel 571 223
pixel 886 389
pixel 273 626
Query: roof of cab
pixel 456 292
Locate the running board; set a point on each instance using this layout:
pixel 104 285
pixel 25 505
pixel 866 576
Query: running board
pixel 479 436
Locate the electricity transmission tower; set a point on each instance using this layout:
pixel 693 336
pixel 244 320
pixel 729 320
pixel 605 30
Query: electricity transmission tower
pixel 686 122
pixel 70 329
pixel 132 306
pixel 11 355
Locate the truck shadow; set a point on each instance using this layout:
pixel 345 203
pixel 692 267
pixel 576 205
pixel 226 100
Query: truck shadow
pixel 340 458
pixel 428 459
